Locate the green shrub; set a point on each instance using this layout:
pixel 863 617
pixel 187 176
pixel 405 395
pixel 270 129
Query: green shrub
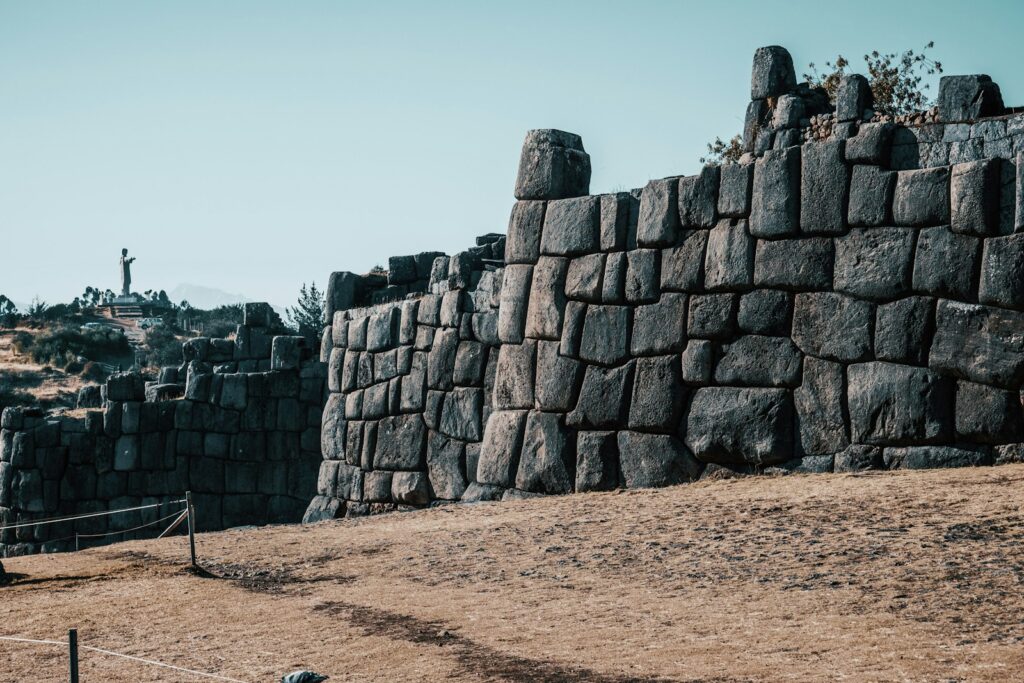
pixel 62 345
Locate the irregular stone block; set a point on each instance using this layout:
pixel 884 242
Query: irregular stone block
pixel 979 344
pixel 513 385
pixel 852 97
pixel 571 226
pixel 460 417
pixel 871 192
pixel 323 508
pixel 603 399
pixel 824 183
pixel 875 263
pixel 547 299
pixel 411 488
pixel 548 462
pixel 897 404
pixel 772 73
pixel 469 363
pixel 765 311
pixel 871 144
pixel 572 329
pixel 967 98
pixel 515 298
pixel 446 467
pixel 756 117
pixel 729 259
pixel 988 414
pixel 660 327
pixel 499 454
pixel 696 362
pixel 789 109
pixel 553 165
pixel 400 443
pixel 657 395
pixel 524 232
pixel 401 270
pixel 712 316
pixel 682 266
pixel 800 264
pixel 658 221
pixel 605 334
pixel 642 275
pixel 333 433
pixel 974 198
pixel 731 425
pixel 583 279
pixel 946 264
pixel 655 460
pixel 755 360
pixel 441 359
pixel 775 203
pixel 698 196
pixel 734 190
pixel 833 326
pixel 934 457
pixel 859 457
pixel 613 283
pixel 1002 272
pixel 820 407
pixel 558 379
pixel 921 198
pixel 286 353
pixel 126 386
pixel 615 219
pixel 597 461
pixel 903 330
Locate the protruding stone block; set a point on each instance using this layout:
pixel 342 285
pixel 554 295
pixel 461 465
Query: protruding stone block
pixel 988 414
pixel 547 298
pixel 652 460
pixel 513 385
pixel 499 454
pixel 898 405
pixel 558 378
pixel 979 343
pixel 765 311
pixel 974 198
pixel 515 299
pixel 571 226
pixel 698 196
pixel 682 266
pixel 597 461
pixel 400 443
pixel 445 467
pixel 642 275
pixel 410 488
pixel 852 97
pixel 871 144
pixel 871 192
pixel 729 259
pixel 524 232
pixel 946 264
pixel 796 264
pixel 935 457
pixel 820 407
pixel 584 278
pixel 732 425
pixel 968 98
pixel 875 263
pixel 775 206
pixel 759 361
pixel 772 73
pixel 461 414
pixel 921 198
pixel 734 190
pixel 824 185
pixel 548 460
pixel 658 221
pixel 603 399
pixel 286 352
pixel 619 213
pixel 1002 272
pixel 903 330
pixel 712 316
pixel 833 326
pixel 657 395
pixel 553 165
pixel 696 362
pixel 605 334
pixel 659 327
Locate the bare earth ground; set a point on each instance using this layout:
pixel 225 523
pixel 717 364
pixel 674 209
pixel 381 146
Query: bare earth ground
pixel 884 576
pixel 48 386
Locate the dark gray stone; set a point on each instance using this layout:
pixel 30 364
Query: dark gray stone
pixel 571 226
pixel 712 316
pixel 698 196
pixel 871 145
pixel 547 298
pixel 605 334
pixel 499 454
pixel 127 386
pixel 401 270
pixel 411 488
pixel 1002 272
pixel 323 508
pixel 515 298
pixel 757 116
pixel 729 259
pixel 377 486
pixel 657 403
pixel 441 359
pixel 642 275
pixel 414 384
pixel 921 197
pixel 655 460
pixel 852 97
pixel 974 198
pixel 859 457
pixel 731 425
pixel 469 363
pixel 513 385
pixel 871 192
pixel 734 190
pixel 820 407
pixel 824 183
pixel 967 98
pixel 400 443
pixel 603 399
pixel 833 326
pixel 613 283
pixel 898 405
pixel 660 327
pixel 615 219
pixel 755 360
pixel 446 467
pixel 772 73
pixel 572 329
pixel 286 353
pixel 903 330
pixel 553 165
pixel 597 461
pixel 682 266
pixel 799 264
pixel 775 204
pixel 658 222
pixel 765 311
pixel 558 378
pixel 946 264
pixel 460 416
pixel 696 362
pixel 988 414
pixel 934 457
pixel 524 231
pixel 979 343
pixel 548 460
pixel 584 278
pixel 875 263
pixel 789 109
pixel 332 429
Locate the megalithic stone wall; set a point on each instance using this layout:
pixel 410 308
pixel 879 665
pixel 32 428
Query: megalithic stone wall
pixel 244 438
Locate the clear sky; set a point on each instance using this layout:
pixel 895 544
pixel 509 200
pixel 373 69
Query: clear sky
pixel 252 146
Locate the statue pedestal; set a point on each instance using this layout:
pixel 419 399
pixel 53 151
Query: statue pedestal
pixel 129 300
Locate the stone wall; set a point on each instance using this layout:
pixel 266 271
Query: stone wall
pixel 244 438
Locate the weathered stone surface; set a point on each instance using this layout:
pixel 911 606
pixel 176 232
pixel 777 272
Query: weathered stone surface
pixel 558 378
pixel 613 283
pixel 946 264
pixel 605 334
pixel 967 98
pixel 414 384
pixel 875 263
pixel 659 327
pixel 513 385
pixel 859 457
pixel 548 460
pixel 553 165
pixel 897 404
pixel 820 407
pixel 469 363
pixel 411 488
pixel 789 109
pixel 833 326
pixel 572 329
pixel 583 279
pixel 400 443
pixel 934 457
pixel 377 486
pixel 657 395
pixel 343 291
pixel 524 231
pixel 401 270
pixel 988 414
pixel 547 299
pixel 775 204
pixel 515 298
pixel 441 359
pixel 799 264
pixel 921 198
pixel 286 353
pixel 731 425
pixel 499 454
pixel 616 210
pixel 446 467
pixel 323 508
pixel 698 196
pixel 712 316
pixel 603 398
pixel 765 311
pixel 126 386
pixel 772 73
pixel 658 222
pixel 682 266
pixel 571 226
pixel 871 193
pixel 871 144
pixel 696 362
pixel 974 198
pixel 597 461
pixel 979 343
pixel 332 429
pixel 756 117
pixel 824 183
pixel 1002 272
pixel 460 416
pixel 729 259
pixel 903 330
pixel 642 275
pixel 755 360
pixel 734 190
pixel 852 97
pixel 651 460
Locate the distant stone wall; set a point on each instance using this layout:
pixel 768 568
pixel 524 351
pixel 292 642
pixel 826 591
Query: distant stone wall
pixel 245 439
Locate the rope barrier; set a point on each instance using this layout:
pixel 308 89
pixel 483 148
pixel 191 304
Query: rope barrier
pixel 176 513
pixel 70 518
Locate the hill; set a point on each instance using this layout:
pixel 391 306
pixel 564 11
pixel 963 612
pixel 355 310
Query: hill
pixel 899 575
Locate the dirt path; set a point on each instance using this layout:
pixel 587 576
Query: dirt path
pixel 889 576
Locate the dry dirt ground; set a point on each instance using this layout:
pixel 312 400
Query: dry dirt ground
pixel 883 576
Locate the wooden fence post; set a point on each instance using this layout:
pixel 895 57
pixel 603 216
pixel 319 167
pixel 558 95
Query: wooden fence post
pixel 191 528
pixel 73 655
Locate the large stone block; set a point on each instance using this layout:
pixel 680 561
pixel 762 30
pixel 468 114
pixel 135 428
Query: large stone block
pixel 605 334
pixel 946 264
pixel 1002 272
pixel 698 196
pixel 469 363
pixel 696 362
pixel 852 97
pixel 799 264
pixel 332 428
pixel 741 426
pixel 921 197
pixel 597 461
pixel 974 198
pixel 461 414
pixel 547 298
pixel 979 343
pixel 414 384
pixel 894 404
pixel 343 290
pixel 824 183
pixel 584 278
pixel 729 259
pixel 654 460
pixel 446 467
pixel 756 118
pixel 524 231
pixel 572 329
pixel 658 221
pixel 968 98
pixel 659 327
pixel 410 488
pixel 286 352
pixel 775 205
pixel 871 144
pixel 988 414
pixel 871 193
pixel 400 443
pixel 772 73
pixel 734 190
pixel 571 226
pixel 821 408
pixel 755 360
pixel 657 395
pixel 126 386
pixel 558 378
pixel 712 316
pixel 401 270
pixel 441 359
pixel 618 218
pixel 513 384
pixel 553 165
pixel 603 399
pixel 903 330
pixel 515 299
pixel 833 326
pixel 613 282
pixel 935 457
pixel 547 463
pixel 499 454
pixel 642 275
pixel 765 311
pixel 682 266
pixel 875 263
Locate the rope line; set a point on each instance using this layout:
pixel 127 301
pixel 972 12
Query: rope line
pixel 30 640
pixel 176 513
pixel 69 518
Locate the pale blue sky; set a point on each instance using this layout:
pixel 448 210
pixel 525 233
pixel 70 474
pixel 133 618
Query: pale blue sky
pixel 251 146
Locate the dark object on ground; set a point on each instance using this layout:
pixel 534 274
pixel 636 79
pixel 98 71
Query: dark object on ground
pixel 303 677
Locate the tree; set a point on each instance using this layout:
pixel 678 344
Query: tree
pixel 307 317
pixel 720 152
pixel 8 312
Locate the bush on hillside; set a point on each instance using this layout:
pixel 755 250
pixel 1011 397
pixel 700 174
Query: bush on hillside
pixel 62 345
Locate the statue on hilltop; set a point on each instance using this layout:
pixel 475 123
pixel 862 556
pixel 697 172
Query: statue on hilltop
pixel 126 273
